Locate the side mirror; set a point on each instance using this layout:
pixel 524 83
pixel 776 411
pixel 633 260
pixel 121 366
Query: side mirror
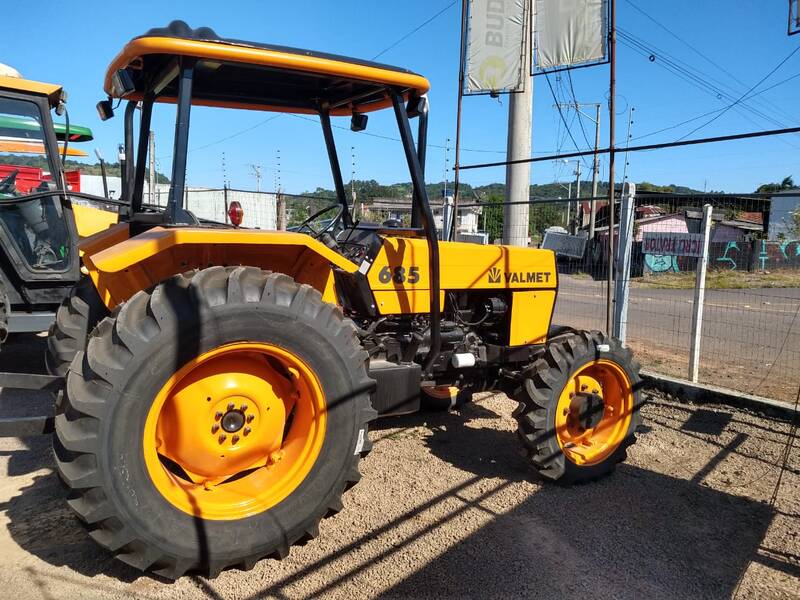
pixel 61 107
pixel 105 110
pixel 415 106
pixel 122 83
pixel 358 122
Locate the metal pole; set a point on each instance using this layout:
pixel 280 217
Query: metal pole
pixel 518 176
pixel 595 173
pixel 612 90
pixel 225 199
pixel 577 195
pixel 152 179
pixel 699 298
pixel 451 235
pixel 624 261
pixel 281 217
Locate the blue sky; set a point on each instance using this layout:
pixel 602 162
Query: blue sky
pixel 734 44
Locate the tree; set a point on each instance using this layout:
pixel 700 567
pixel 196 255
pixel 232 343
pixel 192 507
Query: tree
pixel 786 184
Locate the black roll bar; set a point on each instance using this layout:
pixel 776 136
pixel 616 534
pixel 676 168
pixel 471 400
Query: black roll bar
pixel 422 147
pixel 127 171
pixel 336 171
pixel 421 199
pixel 141 153
pixel 175 210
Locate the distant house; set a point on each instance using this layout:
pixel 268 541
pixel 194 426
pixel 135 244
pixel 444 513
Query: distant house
pixel 782 222
pixel 688 221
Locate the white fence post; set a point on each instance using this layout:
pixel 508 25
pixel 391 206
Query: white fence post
pixel 623 258
pixel 699 297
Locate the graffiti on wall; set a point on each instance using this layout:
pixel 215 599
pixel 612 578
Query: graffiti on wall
pixel 759 255
pixel 661 263
pixel 728 258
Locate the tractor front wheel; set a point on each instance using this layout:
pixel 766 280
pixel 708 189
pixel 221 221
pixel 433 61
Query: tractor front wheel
pixel 578 407
pixel 214 421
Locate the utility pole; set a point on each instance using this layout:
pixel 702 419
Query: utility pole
pixel 152 151
pixel 612 107
pixel 518 176
pixel 595 172
pixel 596 165
pixel 577 195
pixel 461 70
pixel 257 173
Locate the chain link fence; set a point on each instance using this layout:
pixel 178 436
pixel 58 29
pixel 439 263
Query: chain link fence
pixel 750 335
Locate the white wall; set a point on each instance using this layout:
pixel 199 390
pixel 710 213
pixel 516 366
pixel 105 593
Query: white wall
pixel 259 208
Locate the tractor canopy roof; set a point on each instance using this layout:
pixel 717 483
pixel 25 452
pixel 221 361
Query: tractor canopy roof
pixel 237 74
pixel 27 127
pixel 26 86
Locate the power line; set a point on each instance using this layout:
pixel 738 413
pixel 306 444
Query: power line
pixel 561 113
pixel 711 112
pixel 699 53
pixel 394 139
pixel 708 140
pixel 575 100
pixel 688 73
pixel 415 30
pixel 226 138
pixel 648 52
pixel 760 81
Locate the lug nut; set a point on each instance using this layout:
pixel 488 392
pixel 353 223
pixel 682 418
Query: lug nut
pixel 231 406
pixel 584 387
pixel 246 431
pixel 222 437
pixel 250 418
pixel 243 408
pixel 595 391
pixel 234 439
pixel 214 428
pixel 218 415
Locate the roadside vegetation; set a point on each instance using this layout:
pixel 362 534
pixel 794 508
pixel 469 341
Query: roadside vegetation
pixel 722 280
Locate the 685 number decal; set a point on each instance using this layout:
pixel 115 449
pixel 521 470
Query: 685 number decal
pixel 398 274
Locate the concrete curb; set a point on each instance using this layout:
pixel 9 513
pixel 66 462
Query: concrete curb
pixel 701 393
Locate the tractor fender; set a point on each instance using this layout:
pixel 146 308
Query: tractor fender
pixel 121 266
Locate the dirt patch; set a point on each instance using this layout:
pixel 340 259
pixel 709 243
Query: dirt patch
pixel 447 507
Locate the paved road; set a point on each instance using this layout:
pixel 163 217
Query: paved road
pixel 750 329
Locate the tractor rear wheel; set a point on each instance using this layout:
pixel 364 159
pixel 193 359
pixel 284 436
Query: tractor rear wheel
pixel 579 407
pixel 75 319
pixel 214 421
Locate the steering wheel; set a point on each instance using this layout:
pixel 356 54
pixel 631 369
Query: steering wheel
pixel 7 183
pixel 316 234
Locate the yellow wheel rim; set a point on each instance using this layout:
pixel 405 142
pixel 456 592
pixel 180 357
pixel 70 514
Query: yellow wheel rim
pixel 235 431
pixel 604 386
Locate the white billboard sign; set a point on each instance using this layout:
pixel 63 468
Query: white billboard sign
pixel 672 243
pixel 570 32
pixel 494 46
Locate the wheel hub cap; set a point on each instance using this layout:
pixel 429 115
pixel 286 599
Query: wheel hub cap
pixel 235 431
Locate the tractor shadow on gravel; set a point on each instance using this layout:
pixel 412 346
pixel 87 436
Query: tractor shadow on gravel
pixel 636 533
pixel 40 521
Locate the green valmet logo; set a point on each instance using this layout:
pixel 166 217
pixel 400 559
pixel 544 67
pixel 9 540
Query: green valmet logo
pixel 498 276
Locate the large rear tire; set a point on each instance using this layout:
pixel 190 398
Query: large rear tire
pixel 78 314
pixel 153 440
pixel 578 407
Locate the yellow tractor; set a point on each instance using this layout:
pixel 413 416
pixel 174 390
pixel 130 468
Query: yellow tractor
pixel 219 408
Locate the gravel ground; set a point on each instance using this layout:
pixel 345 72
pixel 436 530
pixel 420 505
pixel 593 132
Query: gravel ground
pixel 448 508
